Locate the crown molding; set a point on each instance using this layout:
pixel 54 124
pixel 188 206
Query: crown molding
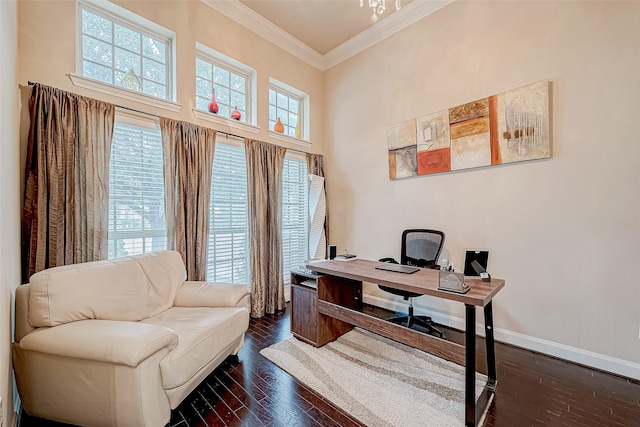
pixel 407 15
pixel 246 17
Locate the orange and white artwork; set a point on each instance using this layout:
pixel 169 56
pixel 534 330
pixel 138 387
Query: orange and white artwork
pixel 510 127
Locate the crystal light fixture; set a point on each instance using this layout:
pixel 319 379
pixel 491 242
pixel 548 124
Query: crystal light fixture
pixel 378 7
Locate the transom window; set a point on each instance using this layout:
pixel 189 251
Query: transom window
pixel 117 51
pixel 287 107
pixel 136 191
pixel 228 256
pixel 231 80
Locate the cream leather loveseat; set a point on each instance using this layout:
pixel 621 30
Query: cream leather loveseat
pixel 121 342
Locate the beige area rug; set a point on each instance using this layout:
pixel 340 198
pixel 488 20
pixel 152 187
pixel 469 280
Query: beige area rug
pixel 379 381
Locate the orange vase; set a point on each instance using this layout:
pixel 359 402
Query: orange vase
pixel 278 127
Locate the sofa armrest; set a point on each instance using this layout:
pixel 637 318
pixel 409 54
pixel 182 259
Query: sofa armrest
pixel 22 325
pixel 127 343
pixel 209 294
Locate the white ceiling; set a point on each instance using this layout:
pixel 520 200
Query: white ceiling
pixel 323 33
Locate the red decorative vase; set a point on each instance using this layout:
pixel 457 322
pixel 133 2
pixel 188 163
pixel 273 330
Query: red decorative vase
pixel 213 105
pixel 235 114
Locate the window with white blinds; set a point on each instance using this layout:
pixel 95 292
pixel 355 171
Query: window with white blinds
pixel 295 223
pixel 136 192
pixel 228 218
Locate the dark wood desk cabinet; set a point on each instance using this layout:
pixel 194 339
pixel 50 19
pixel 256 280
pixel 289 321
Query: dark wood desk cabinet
pixel 307 324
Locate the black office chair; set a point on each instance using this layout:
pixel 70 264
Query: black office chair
pixel 420 248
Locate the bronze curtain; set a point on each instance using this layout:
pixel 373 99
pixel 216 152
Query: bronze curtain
pixel 64 218
pixel 188 161
pixel 315 166
pixel 265 163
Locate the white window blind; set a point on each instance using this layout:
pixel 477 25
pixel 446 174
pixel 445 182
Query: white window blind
pixel 295 226
pixel 136 192
pixel 228 218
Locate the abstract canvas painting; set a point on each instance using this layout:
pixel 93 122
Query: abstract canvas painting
pixel 523 123
pixel 470 139
pixel 401 139
pixel 433 143
pixel 509 127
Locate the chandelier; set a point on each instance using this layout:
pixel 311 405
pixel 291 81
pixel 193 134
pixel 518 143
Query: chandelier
pixel 378 7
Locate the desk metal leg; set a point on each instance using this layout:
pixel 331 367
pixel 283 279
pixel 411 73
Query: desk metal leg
pixel 470 366
pixel 490 344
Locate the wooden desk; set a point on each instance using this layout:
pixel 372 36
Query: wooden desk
pixel 343 274
pixel 307 324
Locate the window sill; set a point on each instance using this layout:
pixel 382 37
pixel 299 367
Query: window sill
pixel 224 121
pixel 289 139
pixel 131 95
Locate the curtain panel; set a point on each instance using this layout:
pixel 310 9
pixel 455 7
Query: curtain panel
pixel 65 209
pixel 315 166
pixel 188 162
pixel 265 163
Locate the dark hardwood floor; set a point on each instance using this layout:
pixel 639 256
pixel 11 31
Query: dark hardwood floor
pixel 533 390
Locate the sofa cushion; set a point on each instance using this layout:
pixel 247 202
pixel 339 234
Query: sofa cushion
pixel 202 334
pixel 110 341
pixel 129 289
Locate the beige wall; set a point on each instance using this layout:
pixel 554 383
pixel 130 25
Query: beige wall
pixel 9 196
pixel 48 54
pixel 563 232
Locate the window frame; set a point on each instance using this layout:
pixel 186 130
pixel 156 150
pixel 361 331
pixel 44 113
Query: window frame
pixel 131 21
pixel 141 121
pixel 302 98
pixel 221 141
pixel 215 58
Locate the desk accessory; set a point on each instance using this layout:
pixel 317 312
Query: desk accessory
pixel 479 255
pixel 333 250
pixel 445 265
pixel 481 271
pixel 397 268
pixel 345 257
pixel 452 282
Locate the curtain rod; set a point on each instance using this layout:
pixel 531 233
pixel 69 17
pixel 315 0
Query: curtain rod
pixel 157 116
pixel 217 131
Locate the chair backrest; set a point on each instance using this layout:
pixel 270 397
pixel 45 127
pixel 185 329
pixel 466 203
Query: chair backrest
pixel 421 247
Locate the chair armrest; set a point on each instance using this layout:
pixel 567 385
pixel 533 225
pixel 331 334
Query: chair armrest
pixel 127 343
pixel 209 294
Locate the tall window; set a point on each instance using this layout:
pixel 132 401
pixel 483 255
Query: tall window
pixel 295 223
pixel 136 192
pixel 230 79
pixel 120 52
pixel 228 217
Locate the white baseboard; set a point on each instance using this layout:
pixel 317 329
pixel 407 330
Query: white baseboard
pixel 562 351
